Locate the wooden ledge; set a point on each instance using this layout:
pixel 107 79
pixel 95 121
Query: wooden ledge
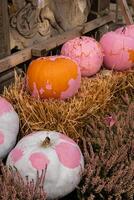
pixel 41 49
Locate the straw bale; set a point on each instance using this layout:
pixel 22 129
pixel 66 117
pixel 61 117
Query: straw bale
pixel 96 96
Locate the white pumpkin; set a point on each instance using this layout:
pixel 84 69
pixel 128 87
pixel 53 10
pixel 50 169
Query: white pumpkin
pixel 9 127
pixel 53 151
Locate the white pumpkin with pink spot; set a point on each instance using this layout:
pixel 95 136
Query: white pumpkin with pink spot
pixel 54 152
pixel 9 127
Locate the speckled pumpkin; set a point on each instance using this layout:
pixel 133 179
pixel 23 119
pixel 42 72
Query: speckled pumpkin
pixel 54 152
pixel 118 51
pixel 53 77
pixel 9 127
pixel 87 52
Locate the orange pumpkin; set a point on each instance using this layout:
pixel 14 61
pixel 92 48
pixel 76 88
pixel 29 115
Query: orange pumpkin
pixel 53 77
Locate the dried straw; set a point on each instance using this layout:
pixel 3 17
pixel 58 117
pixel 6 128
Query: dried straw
pixel 70 116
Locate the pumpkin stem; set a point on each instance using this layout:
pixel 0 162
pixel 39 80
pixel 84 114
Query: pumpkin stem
pixel 46 142
pixel 124 29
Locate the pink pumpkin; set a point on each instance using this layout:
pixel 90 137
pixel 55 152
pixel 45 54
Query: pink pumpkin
pixel 54 152
pixel 9 127
pixel 87 52
pixel 118 51
pixel 126 30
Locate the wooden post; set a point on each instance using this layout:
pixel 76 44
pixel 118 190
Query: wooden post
pixel 126 11
pixel 4 29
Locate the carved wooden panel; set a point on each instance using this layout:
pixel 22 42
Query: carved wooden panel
pixel 4 30
pixel 34 20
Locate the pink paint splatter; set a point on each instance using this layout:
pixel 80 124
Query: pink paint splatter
pixel 66 138
pixel 41 91
pixel 1 137
pixel 48 86
pixel 73 86
pixel 35 92
pixel 5 106
pixel 16 154
pixel 39 161
pixel 68 155
pixel 53 58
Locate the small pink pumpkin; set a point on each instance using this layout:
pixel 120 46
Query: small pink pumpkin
pixel 87 52
pixel 54 152
pixel 126 30
pixel 118 51
pixel 9 127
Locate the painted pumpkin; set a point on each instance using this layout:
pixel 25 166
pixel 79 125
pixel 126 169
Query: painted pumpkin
pixel 126 30
pixel 9 127
pixel 87 52
pixel 53 77
pixel 54 152
pixel 118 51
